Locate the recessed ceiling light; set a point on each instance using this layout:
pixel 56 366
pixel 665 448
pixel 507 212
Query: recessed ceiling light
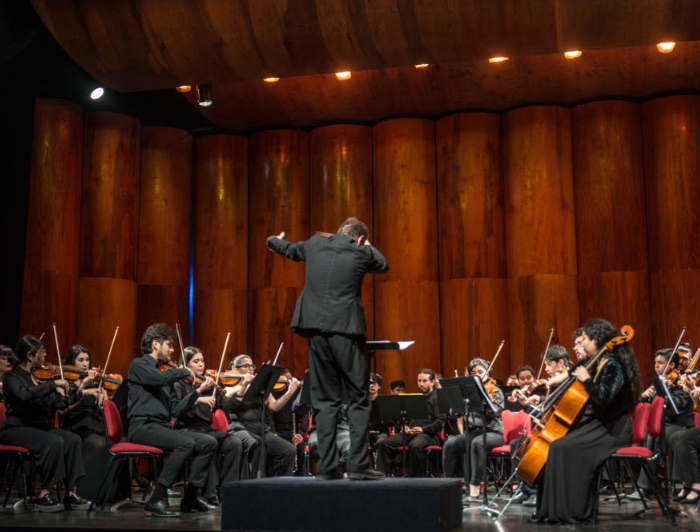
pixel 183 88
pixel 666 47
pixel 423 65
pixel 342 76
pixel 271 80
pixel 498 59
pixel 572 54
pixel 97 93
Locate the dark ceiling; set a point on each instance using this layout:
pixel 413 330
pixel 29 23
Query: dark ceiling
pixel 141 49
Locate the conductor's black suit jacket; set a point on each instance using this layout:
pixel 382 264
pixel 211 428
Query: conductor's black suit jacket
pixel 335 267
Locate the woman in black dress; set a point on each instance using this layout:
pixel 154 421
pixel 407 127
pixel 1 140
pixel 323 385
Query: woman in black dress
pixel 567 493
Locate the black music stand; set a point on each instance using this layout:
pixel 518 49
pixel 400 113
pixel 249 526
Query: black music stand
pixel 402 409
pixel 385 345
pixel 478 402
pixel 260 388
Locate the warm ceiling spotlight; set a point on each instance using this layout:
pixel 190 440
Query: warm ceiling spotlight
pixel 204 95
pixel 97 93
pixel 666 47
pixel 342 76
pixel 572 54
pixel 498 59
pixel 183 88
pixel 422 65
pixel 271 80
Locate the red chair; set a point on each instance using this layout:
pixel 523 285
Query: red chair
pixel 643 456
pixel 219 420
pixel 13 454
pixel 696 417
pixel 515 425
pixel 434 452
pixel 121 450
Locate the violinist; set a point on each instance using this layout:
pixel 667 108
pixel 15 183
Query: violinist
pixel 684 354
pixel 469 449
pixel 151 407
pixel 246 424
pixel 567 492
pixel 418 434
pixel 7 356
pixel 227 464
pixel 31 410
pixel 556 364
pixel 684 449
pixel 84 418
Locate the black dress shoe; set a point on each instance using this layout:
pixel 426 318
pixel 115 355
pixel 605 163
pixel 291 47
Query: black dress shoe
pixel 45 504
pixel 75 502
pixel 335 475
pixel 213 502
pixel 198 504
pixel 520 497
pixel 367 474
pixel 159 509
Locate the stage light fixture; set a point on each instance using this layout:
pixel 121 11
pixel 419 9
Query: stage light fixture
pixel 204 95
pixel 342 76
pixel 572 54
pixel 97 93
pixel 422 65
pixel 183 88
pixel 271 80
pixel 666 47
pixel 498 59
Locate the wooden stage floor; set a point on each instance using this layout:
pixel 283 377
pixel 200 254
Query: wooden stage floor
pixel 612 518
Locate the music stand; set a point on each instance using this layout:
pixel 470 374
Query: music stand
pixel 260 388
pixel 478 402
pixel 402 409
pixel 384 345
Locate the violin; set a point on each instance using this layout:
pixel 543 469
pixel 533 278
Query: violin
pixel 165 366
pixel 46 372
pixel 111 382
pixel 536 387
pixel 491 386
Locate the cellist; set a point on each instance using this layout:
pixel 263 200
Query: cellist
pixel 567 492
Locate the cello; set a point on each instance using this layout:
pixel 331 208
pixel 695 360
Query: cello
pixel 558 420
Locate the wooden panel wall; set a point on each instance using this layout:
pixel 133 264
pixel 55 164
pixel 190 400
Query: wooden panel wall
pixel 540 232
pixel 405 217
pixel 165 221
pixel 341 179
pixel 611 238
pixel 471 231
pixel 109 237
pixel 671 129
pixel 279 201
pixel 220 238
pixel 53 225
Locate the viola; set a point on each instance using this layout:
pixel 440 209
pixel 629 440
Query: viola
pixel 559 419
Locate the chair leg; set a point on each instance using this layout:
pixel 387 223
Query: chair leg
pixel 102 485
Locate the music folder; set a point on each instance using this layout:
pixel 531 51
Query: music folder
pixel 376 345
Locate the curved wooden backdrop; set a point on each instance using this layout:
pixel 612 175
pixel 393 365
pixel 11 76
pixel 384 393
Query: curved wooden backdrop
pixel 279 201
pixel 405 217
pixel 495 226
pixel 671 129
pixel 611 241
pixel 220 238
pixel 53 225
pixel 540 232
pixel 470 238
pixel 109 238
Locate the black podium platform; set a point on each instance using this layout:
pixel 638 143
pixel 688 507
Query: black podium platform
pixel 307 504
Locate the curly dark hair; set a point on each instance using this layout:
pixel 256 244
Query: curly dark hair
pixel 159 332
pixel 601 332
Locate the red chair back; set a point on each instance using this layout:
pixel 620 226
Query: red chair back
pixel 3 413
pixel 640 422
pixel 696 415
pixel 219 421
pixel 513 424
pixel 113 421
pixel 656 417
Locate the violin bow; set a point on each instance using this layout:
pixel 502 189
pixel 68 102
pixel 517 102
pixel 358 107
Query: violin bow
pixel 544 356
pixel 182 346
pixel 109 354
pixel 675 349
pixel 278 354
pixel 58 350
pixel 221 362
pixel 488 370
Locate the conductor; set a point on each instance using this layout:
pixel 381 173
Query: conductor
pixel 330 314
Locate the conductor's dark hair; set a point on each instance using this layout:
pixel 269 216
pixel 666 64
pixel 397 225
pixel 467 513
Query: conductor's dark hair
pixel 158 332
pixel 353 228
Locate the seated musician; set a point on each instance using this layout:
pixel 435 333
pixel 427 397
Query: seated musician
pixel 469 449
pixel 151 407
pixel 397 387
pixel 579 352
pixel 226 465
pixel 418 434
pixel 85 419
pixel 30 423
pixel 684 354
pixel 6 358
pixel 246 417
pixel 342 439
pixel 567 491
pixel 378 431
pixel 684 447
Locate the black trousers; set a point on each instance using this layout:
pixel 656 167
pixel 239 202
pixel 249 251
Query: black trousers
pixel 226 465
pixel 182 445
pixel 279 453
pixel 685 446
pixel 386 452
pixel 57 452
pixel 337 364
